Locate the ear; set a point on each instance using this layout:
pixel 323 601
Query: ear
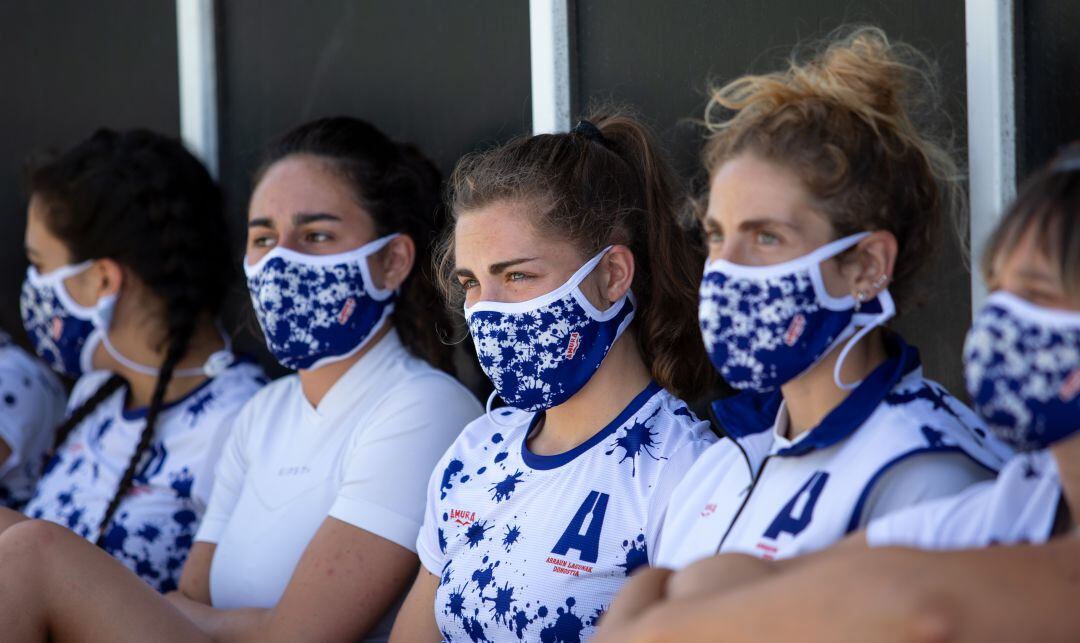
pixel 106 278
pixel 395 262
pixel 616 271
pixel 870 267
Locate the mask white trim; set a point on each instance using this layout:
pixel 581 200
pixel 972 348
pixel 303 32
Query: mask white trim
pixel 1024 309
pixel 570 286
pixel 358 256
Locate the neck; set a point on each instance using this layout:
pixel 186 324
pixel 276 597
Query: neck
pixel 1067 454
pixel 204 342
pixel 621 376
pixel 813 395
pixel 316 383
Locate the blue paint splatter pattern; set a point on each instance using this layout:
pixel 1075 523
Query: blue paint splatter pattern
pixel 154 526
pixel 493 534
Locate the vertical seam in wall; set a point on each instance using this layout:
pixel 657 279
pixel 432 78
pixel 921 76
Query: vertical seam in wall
pixel 991 112
pixel 549 47
pixel 197 59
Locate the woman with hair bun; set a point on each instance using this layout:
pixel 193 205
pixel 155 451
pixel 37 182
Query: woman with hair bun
pixel 825 202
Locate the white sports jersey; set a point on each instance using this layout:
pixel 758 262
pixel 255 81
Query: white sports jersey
pixel 761 494
pixel 363 456
pixel 1019 507
pixel 153 528
pixel 535 546
pixel 31 405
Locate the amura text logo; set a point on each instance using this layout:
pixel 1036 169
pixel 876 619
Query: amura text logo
pixel 463 517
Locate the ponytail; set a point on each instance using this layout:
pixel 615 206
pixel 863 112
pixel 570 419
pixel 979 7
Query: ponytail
pixel 604 183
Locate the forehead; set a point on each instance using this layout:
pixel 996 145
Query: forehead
pixel 747 185
pixel 504 230
pixel 303 183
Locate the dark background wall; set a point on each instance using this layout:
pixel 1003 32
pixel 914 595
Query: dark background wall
pixel 68 67
pixel 1048 80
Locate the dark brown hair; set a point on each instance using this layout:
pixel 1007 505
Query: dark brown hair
pixel 843 119
pixel 595 188
pixel 400 188
pixel 1049 205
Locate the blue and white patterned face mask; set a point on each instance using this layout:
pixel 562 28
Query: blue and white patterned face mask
pixel 1022 368
pixel 64 333
pixel 317 309
pixel 764 326
pixel 539 353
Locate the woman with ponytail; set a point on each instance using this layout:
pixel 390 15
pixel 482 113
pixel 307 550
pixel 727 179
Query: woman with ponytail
pixel 578 285
pixel 129 267
pixel 311 527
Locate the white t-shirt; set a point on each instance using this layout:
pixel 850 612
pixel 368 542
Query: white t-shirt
pixel 896 440
pixel 534 547
pixel 1019 507
pixel 31 406
pixel 363 456
pixel 152 529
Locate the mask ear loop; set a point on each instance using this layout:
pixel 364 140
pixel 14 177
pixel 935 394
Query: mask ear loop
pixel 215 364
pixel 491 416
pixel 888 309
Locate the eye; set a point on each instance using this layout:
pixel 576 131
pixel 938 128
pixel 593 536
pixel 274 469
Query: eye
pixel 262 242
pixel 516 276
pixel 767 239
pixel 317 237
pixel 467 283
pixel 714 236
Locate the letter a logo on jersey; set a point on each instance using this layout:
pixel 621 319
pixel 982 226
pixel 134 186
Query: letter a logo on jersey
pixel 796 514
pixel 587 543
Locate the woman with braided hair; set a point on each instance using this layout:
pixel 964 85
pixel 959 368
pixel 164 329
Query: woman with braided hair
pixel 310 532
pixel 128 274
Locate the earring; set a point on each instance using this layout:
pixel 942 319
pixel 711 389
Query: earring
pixel 881 280
pixel 860 297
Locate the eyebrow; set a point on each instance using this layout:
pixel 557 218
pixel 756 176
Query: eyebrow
pixel 495 268
pixel 304 218
pixel 750 224
pixel 1034 275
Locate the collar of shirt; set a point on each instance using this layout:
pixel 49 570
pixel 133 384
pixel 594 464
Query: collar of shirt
pixel 364 379
pixel 749 413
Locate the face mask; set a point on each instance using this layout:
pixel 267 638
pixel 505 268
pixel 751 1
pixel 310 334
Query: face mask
pixel 764 326
pixel 539 353
pixel 1022 368
pixel 317 309
pixel 65 334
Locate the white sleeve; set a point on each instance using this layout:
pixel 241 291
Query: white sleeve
pixel 30 409
pixel 230 471
pixel 921 478
pixel 430 543
pixel 675 469
pixel 389 460
pixel 944 523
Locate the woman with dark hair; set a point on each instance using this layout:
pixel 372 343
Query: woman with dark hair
pixel 128 273
pixel 311 527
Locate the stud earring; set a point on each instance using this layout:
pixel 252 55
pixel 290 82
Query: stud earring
pixel 860 297
pixel 881 280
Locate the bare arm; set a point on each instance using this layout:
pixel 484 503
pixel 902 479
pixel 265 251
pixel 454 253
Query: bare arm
pixel 195 580
pixel 330 597
pixel 416 620
pixel 888 595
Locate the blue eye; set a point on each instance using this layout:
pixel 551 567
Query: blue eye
pixel 714 237
pixel 767 239
pixel 516 276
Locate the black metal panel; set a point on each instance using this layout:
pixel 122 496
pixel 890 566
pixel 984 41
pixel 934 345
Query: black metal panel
pixel 1048 80
pixel 660 57
pixel 68 68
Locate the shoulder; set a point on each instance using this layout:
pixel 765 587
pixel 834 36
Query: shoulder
pixel 679 427
pixel 19 370
pixel 423 396
pixel 921 414
pixel 86 386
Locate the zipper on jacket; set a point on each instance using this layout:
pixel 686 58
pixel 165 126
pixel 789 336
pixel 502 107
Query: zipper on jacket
pixel 749 466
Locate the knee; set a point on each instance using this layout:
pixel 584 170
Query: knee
pixel 31 543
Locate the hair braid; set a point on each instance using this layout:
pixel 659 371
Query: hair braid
pixel 62 432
